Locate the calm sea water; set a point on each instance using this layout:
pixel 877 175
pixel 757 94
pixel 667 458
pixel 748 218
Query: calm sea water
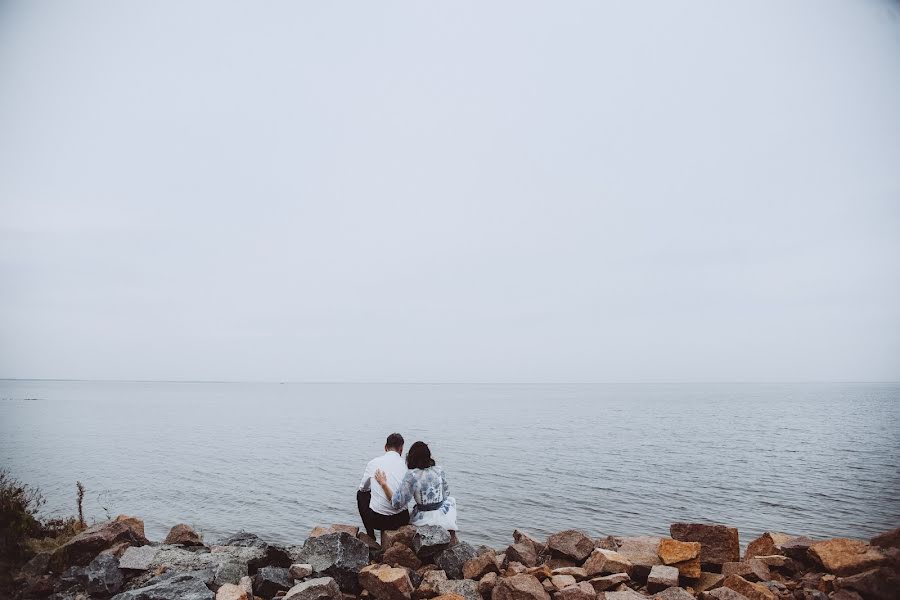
pixel 278 459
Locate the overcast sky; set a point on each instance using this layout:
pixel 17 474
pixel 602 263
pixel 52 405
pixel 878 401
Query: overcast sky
pixel 453 191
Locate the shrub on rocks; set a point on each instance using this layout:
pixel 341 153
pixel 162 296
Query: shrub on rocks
pixel 452 559
pixel 519 587
pixel 321 588
pixel 386 583
pixel 183 535
pixel 571 544
pixel 718 544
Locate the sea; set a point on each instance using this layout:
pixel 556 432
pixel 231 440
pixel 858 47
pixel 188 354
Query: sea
pixel 277 459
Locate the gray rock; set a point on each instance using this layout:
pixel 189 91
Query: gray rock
pixel 466 588
pixel 321 588
pixel 429 540
pixel 661 577
pixel 673 593
pixel 102 576
pixel 138 558
pixel 38 565
pixel 244 539
pixel 178 586
pixel 452 559
pixel 268 581
pixel 274 556
pixel 338 555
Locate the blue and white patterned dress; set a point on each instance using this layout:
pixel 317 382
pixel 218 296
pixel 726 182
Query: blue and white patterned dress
pixel 427 487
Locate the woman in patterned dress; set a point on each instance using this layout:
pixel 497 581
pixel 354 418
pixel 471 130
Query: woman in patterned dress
pixel 425 483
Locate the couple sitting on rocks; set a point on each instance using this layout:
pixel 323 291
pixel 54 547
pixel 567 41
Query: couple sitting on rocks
pixel 389 484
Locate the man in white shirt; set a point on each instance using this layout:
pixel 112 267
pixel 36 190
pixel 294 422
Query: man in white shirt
pixel 374 507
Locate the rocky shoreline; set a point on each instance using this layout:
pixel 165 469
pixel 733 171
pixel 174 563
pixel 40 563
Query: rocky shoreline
pixel 115 560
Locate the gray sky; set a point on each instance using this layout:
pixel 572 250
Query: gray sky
pixel 456 191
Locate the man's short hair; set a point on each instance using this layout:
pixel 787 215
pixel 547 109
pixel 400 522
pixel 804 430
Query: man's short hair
pixel 395 440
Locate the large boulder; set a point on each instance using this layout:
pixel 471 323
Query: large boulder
pixel 641 552
pixel 571 544
pixel 226 564
pixel 429 540
pixel 386 583
pixel 519 587
pixel 842 556
pixel 170 586
pixel 718 544
pixel 138 558
pixel 84 546
pixel 452 559
pixel 337 555
pixel 321 588
pixel 767 544
pixel 273 556
pixel 183 535
pixel 268 581
pixel 604 562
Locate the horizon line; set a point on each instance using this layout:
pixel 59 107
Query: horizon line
pixel 412 382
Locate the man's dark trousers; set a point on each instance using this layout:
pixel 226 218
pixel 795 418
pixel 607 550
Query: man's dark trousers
pixel 373 520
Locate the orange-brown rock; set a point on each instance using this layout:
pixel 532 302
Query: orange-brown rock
pixel 481 565
pixel 607 582
pixel 576 591
pixel 230 591
pixel 571 544
pixel 561 581
pixel 842 556
pixel 689 568
pixel 83 547
pixel 449 597
pixel 718 543
pixel 134 524
pixel 541 571
pixel 751 570
pixel 514 568
pixel 674 551
pixel 400 555
pixel 428 588
pixel 522 552
pixel 521 536
pixel 404 535
pixel 577 572
pixel 386 583
pixel 767 544
pixel 604 562
pixel 183 535
pixel 753 591
pixel 519 587
pixel 486 585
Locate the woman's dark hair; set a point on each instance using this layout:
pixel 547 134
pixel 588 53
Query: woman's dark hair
pixel 419 456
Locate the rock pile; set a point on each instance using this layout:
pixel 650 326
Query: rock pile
pixel 697 561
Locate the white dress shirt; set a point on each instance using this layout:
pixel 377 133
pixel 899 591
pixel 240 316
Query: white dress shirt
pixel 394 467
